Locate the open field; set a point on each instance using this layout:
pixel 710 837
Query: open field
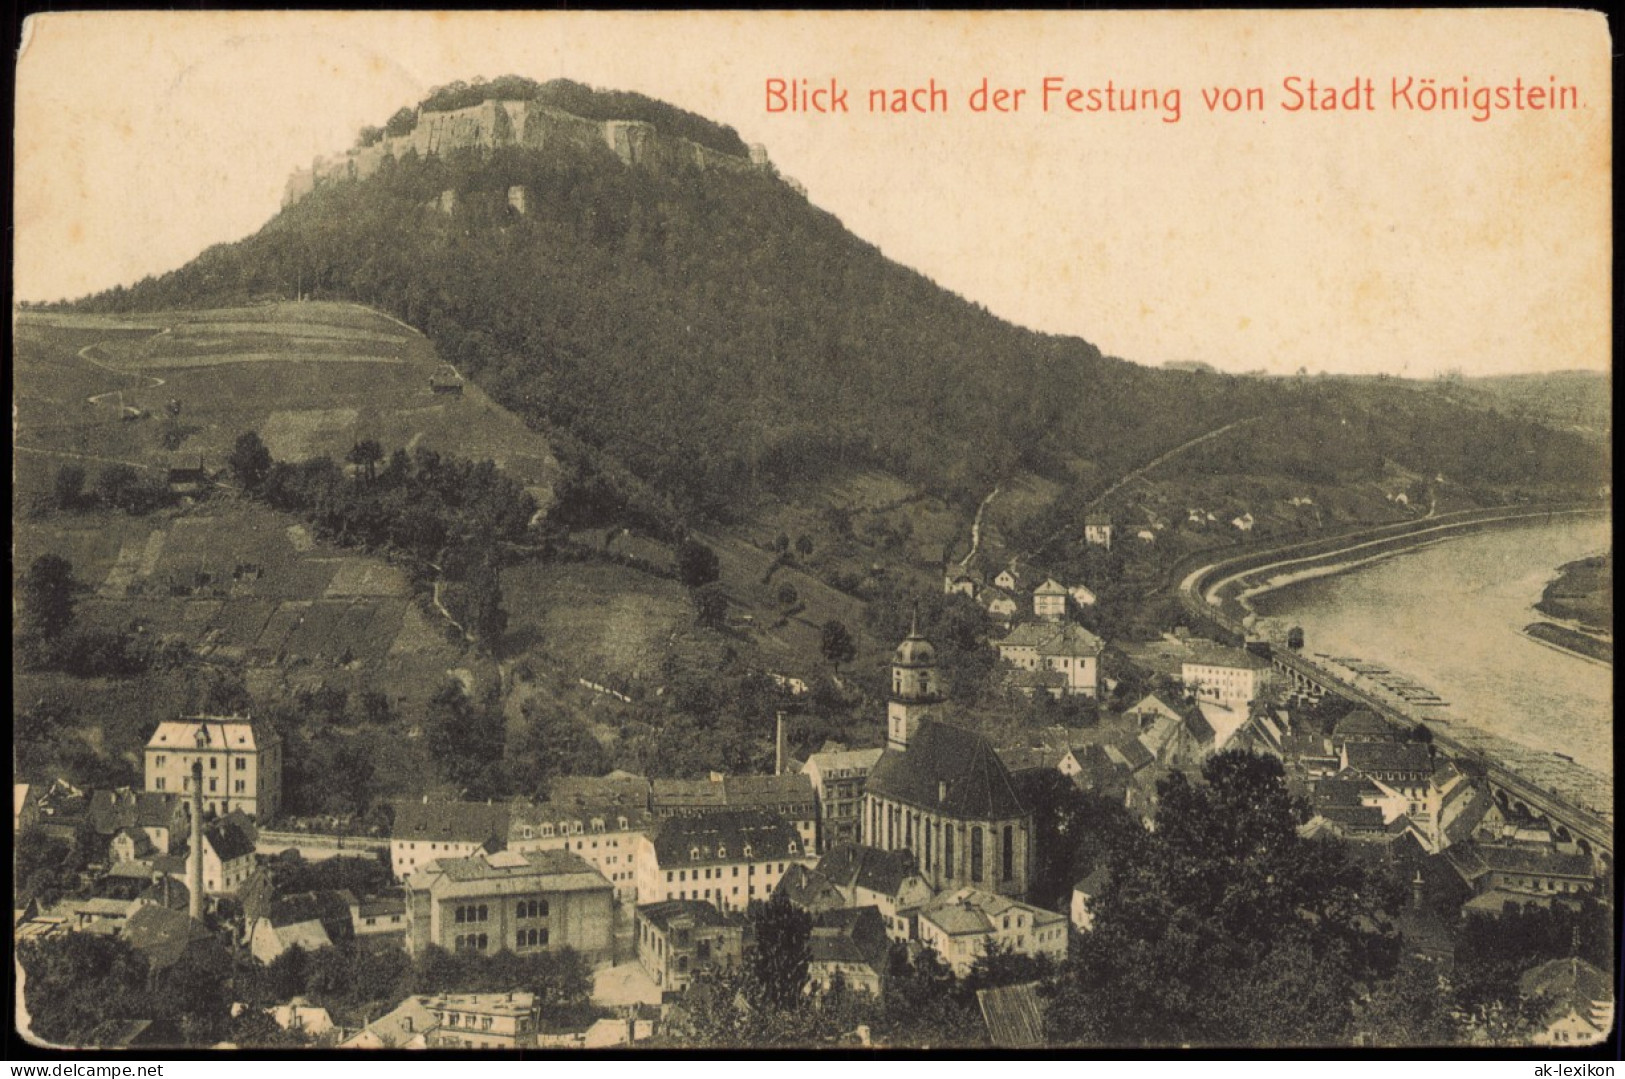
pixel 313 378
pixel 600 621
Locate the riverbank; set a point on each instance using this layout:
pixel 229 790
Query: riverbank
pixel 1228 585
pixel 1582 594
pixel 1575 643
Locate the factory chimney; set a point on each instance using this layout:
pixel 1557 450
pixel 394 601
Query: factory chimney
pixel 778 747
pixel 194 861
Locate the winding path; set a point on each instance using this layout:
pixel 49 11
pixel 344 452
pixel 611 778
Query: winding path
pixel 1175 452
pixel 96 399
pixel 976 528
pixel 1131 476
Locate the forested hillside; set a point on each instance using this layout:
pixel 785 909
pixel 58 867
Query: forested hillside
pixel 718 335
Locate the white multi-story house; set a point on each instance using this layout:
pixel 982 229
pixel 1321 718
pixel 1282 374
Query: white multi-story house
pixel 1065 649
pixel 725 858
pixel 963 924
pixel 424 832
pixel 1231 677
pixel 241 757
pixel 1097 529
pixel 1049 600
pixel 604 835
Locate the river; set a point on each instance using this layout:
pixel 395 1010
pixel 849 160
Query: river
pixel 1451 616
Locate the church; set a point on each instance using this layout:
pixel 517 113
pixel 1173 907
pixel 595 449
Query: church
pixel 941 792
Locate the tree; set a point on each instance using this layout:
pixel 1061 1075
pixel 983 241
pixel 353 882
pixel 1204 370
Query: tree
pixel 376 707
pixel 804 545
pixel 69 488
pixel 697 564
pixel 365 455
pixel 711 606
pixel 76 980
pixel 837 644
pixel 466 741
pixel 782 953
pixel 1226 893
pixel 483 602
pixel 48 596
pixel 787 595
pixel 122 486
pixel 249 461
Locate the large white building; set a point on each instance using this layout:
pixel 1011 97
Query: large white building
pixel 726 858
pixel 1231 677
pixel 241 758
pixel 1065 651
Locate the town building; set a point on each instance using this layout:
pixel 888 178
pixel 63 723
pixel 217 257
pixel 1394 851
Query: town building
pixel 483 1020
pixel 789 796
pixel 887 880
pixel 301 1016
pixel 1085 894
pixel 1521 874
pixel 1013 578
pixel 406 1026
pixel 848 948
pixel 998 603
pixel 1231 677
pixel 241 757
pixel 941 792
pixel 809 890
pixel 1049 600
pixel 379 919
pixel 426 831
pixel 1581 1002
pixel 507 901
pixel 165 936
pixel 963 924
pixel 1097 530
pixel 603 834
pixel 306 920
pixel 837 781
pixel 228 858
pixel 679 938
pixel 1065 649
pixel 727 858
pixel 160 821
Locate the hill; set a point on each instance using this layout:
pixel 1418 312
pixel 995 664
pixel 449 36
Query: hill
pixel 722 338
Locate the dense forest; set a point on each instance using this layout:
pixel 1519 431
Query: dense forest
pixel 717 336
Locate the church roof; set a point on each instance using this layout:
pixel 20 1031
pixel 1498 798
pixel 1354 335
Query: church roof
pixel 915 651
pixel 948 770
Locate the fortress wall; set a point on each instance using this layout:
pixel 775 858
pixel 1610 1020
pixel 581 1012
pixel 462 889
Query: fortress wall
pixel 527 124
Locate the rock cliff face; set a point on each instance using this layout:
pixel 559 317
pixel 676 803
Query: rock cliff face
pixel 524 124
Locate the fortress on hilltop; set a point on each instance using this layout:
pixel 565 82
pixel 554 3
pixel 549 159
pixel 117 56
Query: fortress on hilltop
pixel 524 124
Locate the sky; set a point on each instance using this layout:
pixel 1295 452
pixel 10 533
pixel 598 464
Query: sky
pixel 1379 238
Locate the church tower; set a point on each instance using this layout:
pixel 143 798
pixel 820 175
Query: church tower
pixel 916 687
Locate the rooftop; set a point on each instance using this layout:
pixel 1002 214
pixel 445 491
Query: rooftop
pixel 461 822
pixel 213 732
pixel 729 835
pixel 948 770
pixel 667 913
pixel 1014 1015
pixel 852 865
